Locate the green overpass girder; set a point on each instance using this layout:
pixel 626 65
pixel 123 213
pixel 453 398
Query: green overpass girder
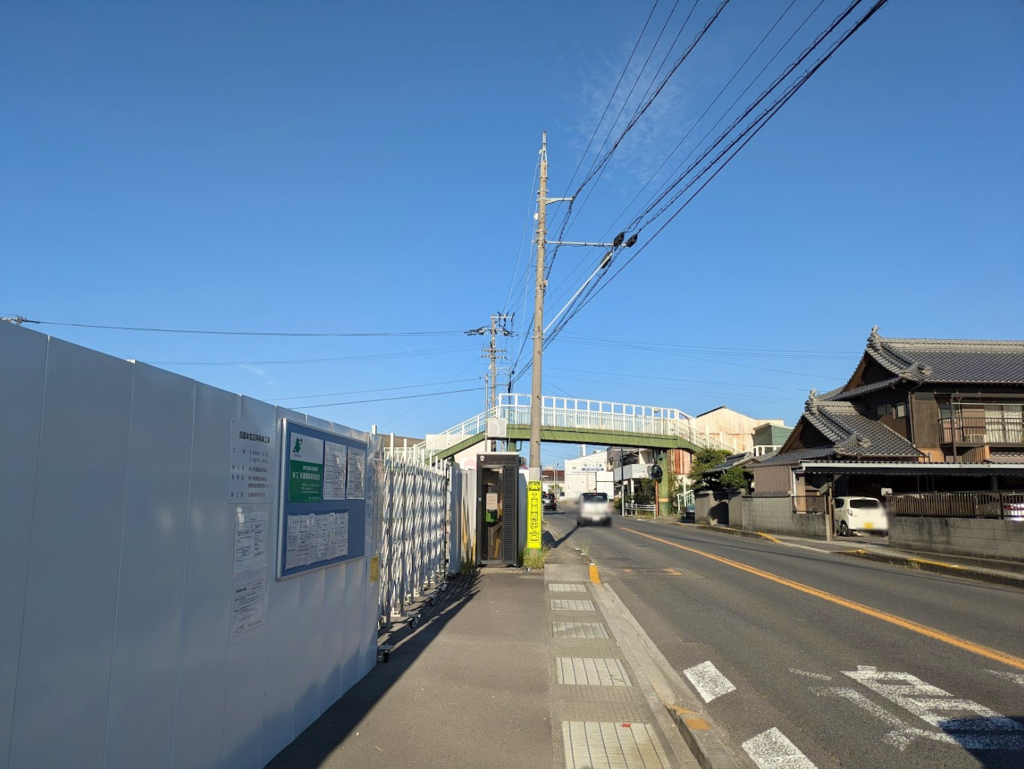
pixel 569 435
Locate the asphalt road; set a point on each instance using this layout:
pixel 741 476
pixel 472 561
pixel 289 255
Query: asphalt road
pixel 806 658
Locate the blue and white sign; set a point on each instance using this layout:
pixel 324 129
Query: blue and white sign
pixel 323 513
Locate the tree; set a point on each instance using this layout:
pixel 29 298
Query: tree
pixel 735 479
pixel 703 461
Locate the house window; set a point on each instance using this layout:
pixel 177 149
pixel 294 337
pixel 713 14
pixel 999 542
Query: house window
pixel 882 409
pixel 900 410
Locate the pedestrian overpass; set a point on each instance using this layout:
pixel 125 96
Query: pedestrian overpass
pixel 576 420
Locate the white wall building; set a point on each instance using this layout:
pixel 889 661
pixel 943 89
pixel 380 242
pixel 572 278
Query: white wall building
pixel 588 473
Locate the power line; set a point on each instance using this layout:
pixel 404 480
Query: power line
pixel 373 390
pixel 246 333
pixel 715 101
pixel 296 361
pixel 597 167
pixel 745 136
pixel 392 398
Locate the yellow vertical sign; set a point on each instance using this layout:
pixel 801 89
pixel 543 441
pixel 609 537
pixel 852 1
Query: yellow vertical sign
pixel 375 569
pixel 533 515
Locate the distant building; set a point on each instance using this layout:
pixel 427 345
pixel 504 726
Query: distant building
pixel 731 428
pixel 550 477
pixel 590 472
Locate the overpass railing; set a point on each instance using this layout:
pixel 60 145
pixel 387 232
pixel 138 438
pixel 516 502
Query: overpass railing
pixel 581 414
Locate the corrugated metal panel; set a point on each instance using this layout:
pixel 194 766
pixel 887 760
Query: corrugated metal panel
pixel 22 374
pixel 68 636
pixel 140 724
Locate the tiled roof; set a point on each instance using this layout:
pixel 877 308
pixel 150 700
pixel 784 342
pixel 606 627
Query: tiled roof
pixel 854 434
pixel 840 394
pixel 792 457
pixel 959 361
pixel 733 460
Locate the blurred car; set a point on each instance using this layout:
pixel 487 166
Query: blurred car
pixel 860 514
pixel 594 508
pixel 550 501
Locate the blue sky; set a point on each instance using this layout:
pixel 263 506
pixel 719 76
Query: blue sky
pixel 367 167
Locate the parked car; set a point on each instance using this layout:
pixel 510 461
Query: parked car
pixel 860 514
pixel 594 508
pixel 550 501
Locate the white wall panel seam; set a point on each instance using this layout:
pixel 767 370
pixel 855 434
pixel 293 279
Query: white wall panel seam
pixel 28 561
pixel 120 558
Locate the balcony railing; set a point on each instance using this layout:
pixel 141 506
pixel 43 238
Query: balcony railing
pixel 958 504
pixel 982 430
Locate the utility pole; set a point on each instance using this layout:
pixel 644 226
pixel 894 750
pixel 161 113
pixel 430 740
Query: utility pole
pixel 534 512
pixel 494 354
pixel 536 395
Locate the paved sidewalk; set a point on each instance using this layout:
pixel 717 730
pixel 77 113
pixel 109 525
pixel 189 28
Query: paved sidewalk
pixel 469 687
pixel 509 669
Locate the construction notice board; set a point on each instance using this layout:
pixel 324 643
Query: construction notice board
pixel 323 500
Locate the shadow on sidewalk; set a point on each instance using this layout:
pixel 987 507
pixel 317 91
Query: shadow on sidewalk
pixel 313 747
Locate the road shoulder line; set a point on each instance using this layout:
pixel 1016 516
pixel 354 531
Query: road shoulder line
pixel 938 567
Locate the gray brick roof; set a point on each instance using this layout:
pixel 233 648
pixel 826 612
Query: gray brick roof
pixel 855 435
pixel 949 361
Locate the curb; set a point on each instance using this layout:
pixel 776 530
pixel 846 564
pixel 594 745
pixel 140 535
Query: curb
pixel 698 734
pixel 705 745
pixel 736 532
pixel 938 567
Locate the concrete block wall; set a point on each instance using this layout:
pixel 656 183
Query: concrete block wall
pixel 977 537
pixel 736 510
pixel 774 515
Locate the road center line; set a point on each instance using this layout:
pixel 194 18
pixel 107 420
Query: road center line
pixel 938 635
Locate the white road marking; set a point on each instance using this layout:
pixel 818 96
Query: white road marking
pixel 1017 678
pixel 809 674
pixel 806 547
pixel 901 735
pixel 973 726
pixel 707 680
pixel 772 750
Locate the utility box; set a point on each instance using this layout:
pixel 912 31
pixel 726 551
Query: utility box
pixel 497 508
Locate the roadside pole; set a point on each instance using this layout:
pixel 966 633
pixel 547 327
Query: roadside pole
pixel 533 506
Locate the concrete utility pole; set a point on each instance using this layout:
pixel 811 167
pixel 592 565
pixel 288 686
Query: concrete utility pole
pixel 538 313
pixel 495 353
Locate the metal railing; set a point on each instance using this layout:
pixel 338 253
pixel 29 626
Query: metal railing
pixel 632 508
pixel 580 414
pixel 414 526
pixel 958 504
pixel 813 504
pixel 1007 429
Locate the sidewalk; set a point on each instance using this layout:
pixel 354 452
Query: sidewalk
pixel 509 669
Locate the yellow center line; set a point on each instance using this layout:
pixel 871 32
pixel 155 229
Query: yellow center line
pixel 938 635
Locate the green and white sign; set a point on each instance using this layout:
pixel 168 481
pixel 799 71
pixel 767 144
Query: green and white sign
pixel 305 469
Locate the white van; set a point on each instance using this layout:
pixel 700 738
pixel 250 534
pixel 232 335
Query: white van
pixel 859 514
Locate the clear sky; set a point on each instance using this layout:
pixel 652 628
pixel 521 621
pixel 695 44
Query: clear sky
pixel 340 167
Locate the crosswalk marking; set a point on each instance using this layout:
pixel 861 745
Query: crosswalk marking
pixel 709 681
pixel 772 750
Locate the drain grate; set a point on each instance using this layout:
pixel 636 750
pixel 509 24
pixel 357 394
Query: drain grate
pixel 569 604
pixel 590 671
pixel 609 745
pixel 591 631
